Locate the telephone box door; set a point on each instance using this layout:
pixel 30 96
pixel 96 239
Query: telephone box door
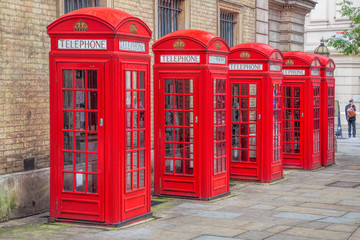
pixel 178 119
pixel 246 110
pixel 81 142
pixel 293 115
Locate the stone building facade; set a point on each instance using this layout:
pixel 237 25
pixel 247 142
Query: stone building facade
pixel 323 22
pixel 24 85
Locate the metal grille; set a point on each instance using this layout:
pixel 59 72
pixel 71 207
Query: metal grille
pixel 168 16
pixel 227 25
pixel 71 5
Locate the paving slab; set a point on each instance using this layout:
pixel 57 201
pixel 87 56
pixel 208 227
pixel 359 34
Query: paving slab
pixel 209 237
pixel 342 228
pixel 254 235
pixel 299 216
pixel 317 233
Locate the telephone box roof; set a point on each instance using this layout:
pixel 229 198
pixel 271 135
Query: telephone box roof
pixel 112 18
pixel 326 61
pixel 302 58
pixel 263 49
pixel 202 37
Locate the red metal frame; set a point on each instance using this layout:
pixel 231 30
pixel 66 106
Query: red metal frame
pixel 327 110
pixel 301 110
pixel 114 203
pixel 255 82
pixel 201 57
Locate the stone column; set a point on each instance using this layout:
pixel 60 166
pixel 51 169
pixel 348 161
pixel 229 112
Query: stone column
pixel 262 21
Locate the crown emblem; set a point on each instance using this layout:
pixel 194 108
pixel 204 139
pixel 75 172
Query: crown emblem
pixel 289 62
pixel 245 55
pixel 218 46
pixel 179 44
pixel 133 29
pixel 276 56
pixel 80 26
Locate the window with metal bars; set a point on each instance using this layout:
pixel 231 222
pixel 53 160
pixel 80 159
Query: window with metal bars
pixel 227 27
pixel 168 16
pixel 71 5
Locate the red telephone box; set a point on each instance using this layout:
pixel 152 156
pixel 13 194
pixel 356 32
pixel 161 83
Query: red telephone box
pixel 255 79
pixel 99 117
pixel 327 110
pixel 190 74
pixel 301 110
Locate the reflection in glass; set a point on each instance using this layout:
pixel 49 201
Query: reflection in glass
pixel 252 116
pixel 188 135
pixel 92 79
pixel 244 102
pixel 141 119
pixel 235 155
pixel 168 134
pixel 68 182
pixel 235 89
pixel 135 140
pixel 178 86
pixel 141 99
pixel 235 129
pixel 128 120
pixel 134 86
pixel 168 118
pixel 128 141
pixel 80 162
pixel 244 89
pixel 235 142
pixel 235 102
pixel 178 102
pixel 244 155
pixel 244 129
pixel 142 178
pixel 92 162
pixel 179 150
pixel 68 140
pixel 67 78
pixel 188 117
pixel 67 99
pixel 252 102
pixel 135 160
pixel 92 100
pixel 141 139
pixel 252 129
pixel 128 161
pixel 80 141
pixel 128 181
pixel 79 99
pixel 178 166
pixel 92 121
pixel 252 90
pixel 168 85
pixel 92 186
pixel 178 118
pixel 188 104
pixel 179 134
pixel 142 158
pixel 135 100
pixel 92 142
pixel 189 167
pixel 135 120
pixel 168 102
pixel 296 91
pixel 79 182
pixel 128 100
pixel 168 150
pixel 252 156
pixel 188 86
pixel 68 119
pixel 80 120
pixel 128 79
pixel 79 79
pixel 169 166
pixel 68 161
pixel 244 116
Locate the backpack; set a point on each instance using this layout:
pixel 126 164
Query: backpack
pixel 351 113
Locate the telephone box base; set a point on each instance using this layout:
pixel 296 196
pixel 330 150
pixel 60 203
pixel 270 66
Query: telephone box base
pixel 257 180
pixel 92 223
pixel 328 165
pixel 193 198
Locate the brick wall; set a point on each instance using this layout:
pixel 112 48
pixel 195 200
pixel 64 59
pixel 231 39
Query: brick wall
pixel 24 95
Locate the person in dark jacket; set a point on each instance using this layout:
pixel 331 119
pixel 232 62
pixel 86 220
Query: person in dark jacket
pixel 351 120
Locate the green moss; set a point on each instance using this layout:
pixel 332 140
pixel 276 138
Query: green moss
pixel 221 198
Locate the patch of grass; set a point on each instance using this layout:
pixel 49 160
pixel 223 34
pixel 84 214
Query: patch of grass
pixel 221 198
pixel 318 169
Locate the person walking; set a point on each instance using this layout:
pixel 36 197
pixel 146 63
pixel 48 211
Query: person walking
pixel 350 112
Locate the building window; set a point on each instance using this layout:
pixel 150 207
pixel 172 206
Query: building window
pixel 227 27
pixel 71 5
pixel 168 16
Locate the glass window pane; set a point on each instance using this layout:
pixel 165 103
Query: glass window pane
pixel 235 102
pixel 244 142
pixel 189 167
pixel 142 158
pixel 235 129
pixel 168 118
pixel 252 156
pixel 67 99
pixel 128 141
pixel 135 120
pixel 128 120
pixel 142 178
pixel 188 104
pixel 235 89
pixel 252 116
pixel 235 142
pixel 68 182
pixel 142 80
pixel 188 135
pixel 179 134
pixel 141 119
pixel 92 162
pixel 169 166
pixel 128 181
pixel 92 183
pixel 168 102
pixel 79 182
pixel 168 85
pixel 168 134
pixel 244 116
pixel 188 86
pixel 178 102
pixel 68 120
pixel 244 129
pixel 68 140
pixel 168 150
pixel 135 100
pixel 80 100
pixel 179 150
pixel 80 120
pixel 92 79
pixel 252 90
pixel 79 79
pixel 188 117
pixel 178 86
pixel 135 179
pixel 141 96
pixel 128 100
pixel 92 142
pixel 141 139
pixel 128 79
pixel 92 100
pixel 68 161
pixel 178 166
pixel 244 155
pixel 252 102
pixel 135 160
pixel 92 121
pixel 134 86
pixel 244 102
pixel 187 150
pixel 296 91
pixel 244 89
pixel 128 161
pixel 178 118
pixel 67 78
pixel 80 162
pixel 235 155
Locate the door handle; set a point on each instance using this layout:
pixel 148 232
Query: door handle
pixel 302 114
pixel 101 122
pixel 259 117
pixel 196 119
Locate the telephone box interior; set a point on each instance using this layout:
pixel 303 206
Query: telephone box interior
pixel 327 130
pixel 190 129
pixel 99 117
pixel 255 80
pixel 301 110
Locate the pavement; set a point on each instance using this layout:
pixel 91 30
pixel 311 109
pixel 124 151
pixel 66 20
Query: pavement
pixel 322 204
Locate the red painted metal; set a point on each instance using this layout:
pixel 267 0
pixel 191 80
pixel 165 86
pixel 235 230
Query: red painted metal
pixel 190 73
pixel 255 80
pixel 327 110
pixel 301 110
pixel 99 117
